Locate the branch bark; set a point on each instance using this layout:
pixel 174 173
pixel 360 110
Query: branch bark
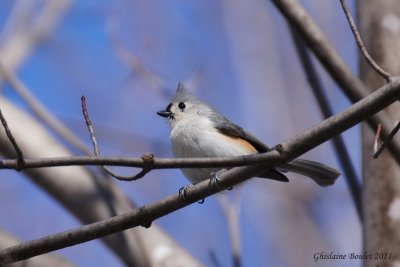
pixel 334 65
pixel 50 260
pixel 285 152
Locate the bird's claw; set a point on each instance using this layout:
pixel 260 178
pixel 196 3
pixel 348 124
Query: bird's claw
pixel 182 194
pixel 214 178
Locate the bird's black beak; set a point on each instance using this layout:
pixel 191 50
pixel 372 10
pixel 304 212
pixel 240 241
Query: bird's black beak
pixel 164 113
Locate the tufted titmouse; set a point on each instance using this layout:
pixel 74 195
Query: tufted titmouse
pixel 198 130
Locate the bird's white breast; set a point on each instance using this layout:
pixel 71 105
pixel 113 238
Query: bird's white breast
pixel 197 137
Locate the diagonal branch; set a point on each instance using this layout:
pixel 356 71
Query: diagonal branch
pixel 49 260
pixel 288 151
pixel 360 44
pixel 18 151
pixel 338 143
pixel 379 150
pixel 355 90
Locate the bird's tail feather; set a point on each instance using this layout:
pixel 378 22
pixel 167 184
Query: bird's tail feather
pixel 320 173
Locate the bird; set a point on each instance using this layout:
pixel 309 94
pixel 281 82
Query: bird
pixel 199 131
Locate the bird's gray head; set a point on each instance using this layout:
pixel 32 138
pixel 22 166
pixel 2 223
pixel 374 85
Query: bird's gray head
pixel 185 107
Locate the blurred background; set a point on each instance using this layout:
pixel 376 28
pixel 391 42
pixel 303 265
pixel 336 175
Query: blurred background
pixel 127 58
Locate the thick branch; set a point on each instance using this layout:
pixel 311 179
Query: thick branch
pixel 49 260
pixel 145 215
pixel 341 74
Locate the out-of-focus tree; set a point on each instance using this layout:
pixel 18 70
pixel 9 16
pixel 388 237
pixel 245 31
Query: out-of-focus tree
pixel 379 23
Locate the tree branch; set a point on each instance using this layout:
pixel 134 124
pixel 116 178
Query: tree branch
pixel 49 260
pixel 335 66
pixel 360 43
pixel 378 151
pixel 158 163
pixel 147 158
pixel 18 151
pixel 338 143
pixel 288 151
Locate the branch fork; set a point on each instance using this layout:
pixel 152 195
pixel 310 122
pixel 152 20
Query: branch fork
pixel 148 159
pixel 20 156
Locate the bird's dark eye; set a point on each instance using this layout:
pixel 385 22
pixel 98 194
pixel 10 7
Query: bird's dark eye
pixel 181 105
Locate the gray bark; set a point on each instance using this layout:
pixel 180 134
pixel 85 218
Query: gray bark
pixel 379 24
pixel 48 260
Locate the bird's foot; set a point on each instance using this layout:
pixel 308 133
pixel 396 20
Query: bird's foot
pixel 214 178
pixel 182 194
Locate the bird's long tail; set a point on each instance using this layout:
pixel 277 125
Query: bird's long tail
pixel 320 173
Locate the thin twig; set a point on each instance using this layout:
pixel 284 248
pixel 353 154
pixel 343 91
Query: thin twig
pixel 360 44
pixel 338 143
pixel 351 85
pixel 377 141
pixel 387 140
pixel 18 151
pixel 90 127
pixel 147 158
pixel 291 149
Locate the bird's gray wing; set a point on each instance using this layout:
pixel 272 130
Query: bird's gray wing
pixel 225 126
